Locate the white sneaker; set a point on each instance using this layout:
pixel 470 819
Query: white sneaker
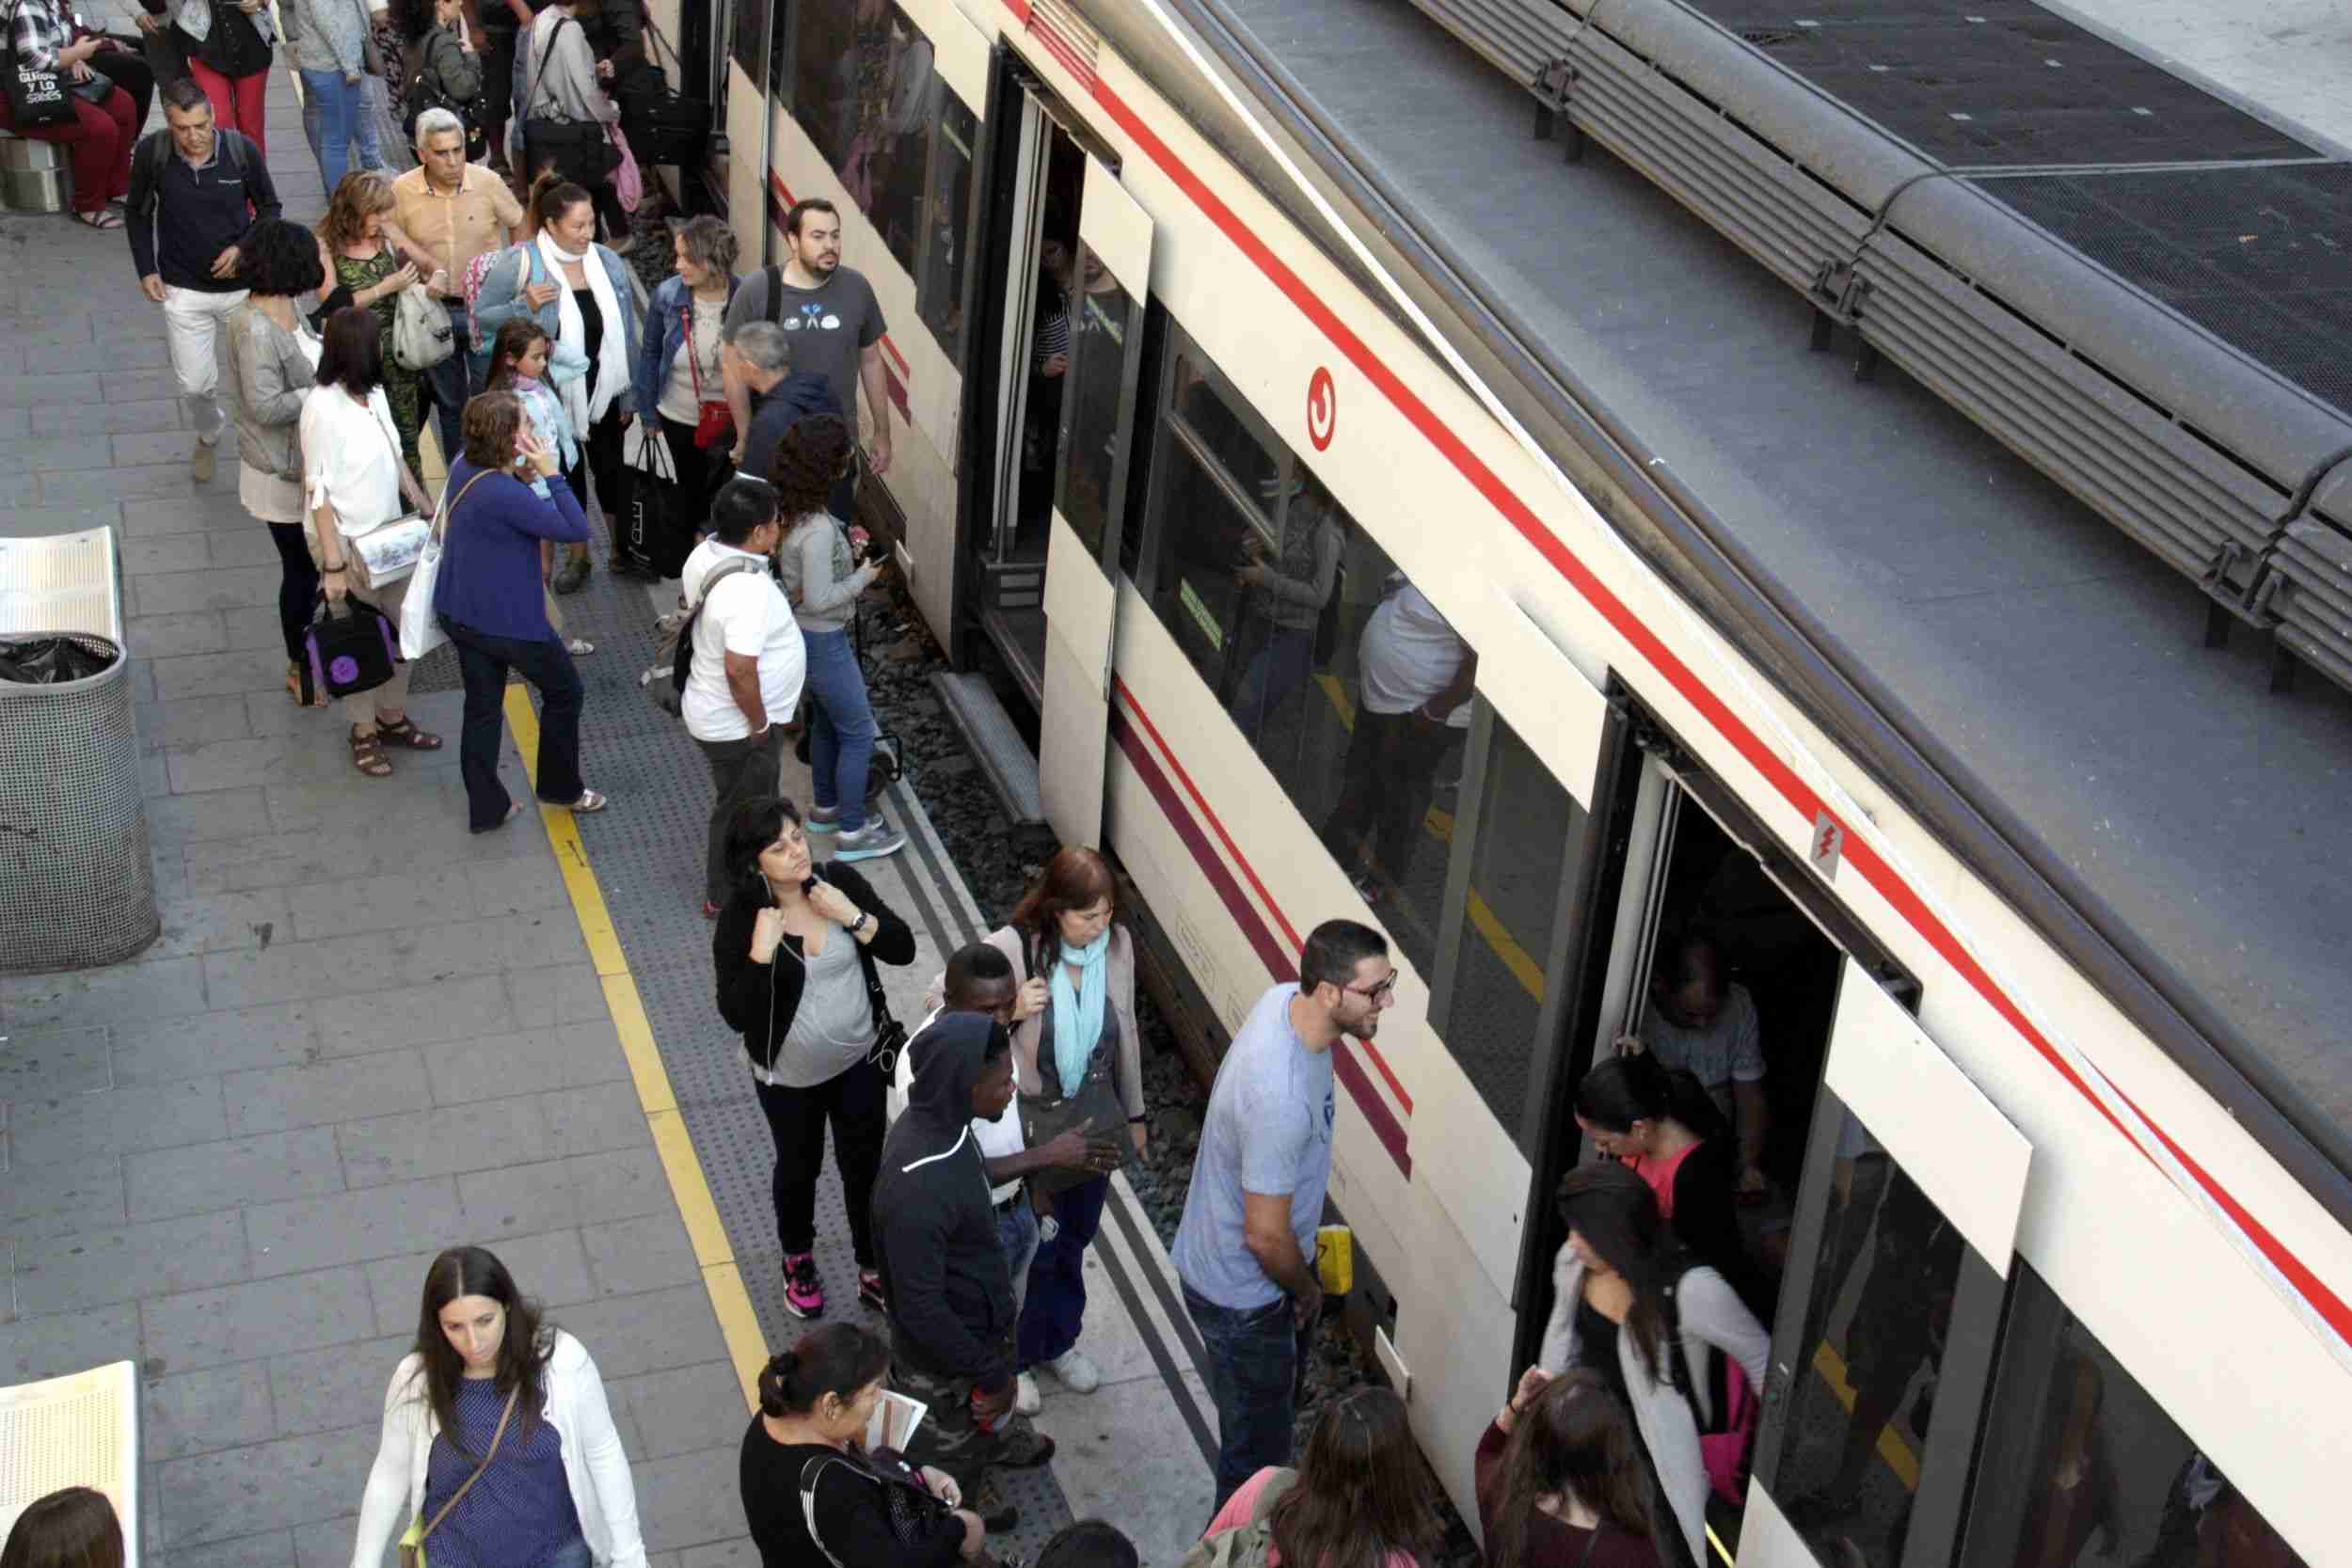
pixel 1027 1401
pixel 1077 1371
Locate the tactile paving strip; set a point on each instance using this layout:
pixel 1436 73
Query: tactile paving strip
pixel 647 851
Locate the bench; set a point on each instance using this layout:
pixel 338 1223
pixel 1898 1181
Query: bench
pixel 34 175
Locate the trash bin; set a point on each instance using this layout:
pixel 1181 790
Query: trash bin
pixel 78 888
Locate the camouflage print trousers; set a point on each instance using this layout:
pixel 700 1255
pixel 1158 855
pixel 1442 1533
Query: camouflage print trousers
pixel 950 1439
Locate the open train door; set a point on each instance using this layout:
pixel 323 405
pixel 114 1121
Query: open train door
pixel 1899 1265
pixel 1098 414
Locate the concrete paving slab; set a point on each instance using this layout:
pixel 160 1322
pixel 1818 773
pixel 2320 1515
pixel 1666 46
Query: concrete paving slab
pixel 120 1121
pixel 174 988
pixel 58 1198
pixel 216 1327
pixel 275 1099
pixel 685 1410
pixel 200 1178
pixel 348 1227
pixel 200 1412
pixel 593 1119
pixel 568 1055
pixel 99 1267
pixel 326 1390
pixel 586 1189
pixel 36 1346
pixel 290 1480
pixel 94 419
pixel 449 1140
pixel 415 1014
pixel 217 922
pixel 647 1253
pixel 38 1063
pixel 560 993
pixel 653 1332
pixel 282 1034
pixel 1103 1440
pixel 690 1499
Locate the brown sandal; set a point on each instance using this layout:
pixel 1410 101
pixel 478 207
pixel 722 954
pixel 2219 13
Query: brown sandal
pixel 367 754
pixel 405 733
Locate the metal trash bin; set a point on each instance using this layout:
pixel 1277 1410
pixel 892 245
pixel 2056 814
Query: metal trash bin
pixel 77 885
pixel 34 175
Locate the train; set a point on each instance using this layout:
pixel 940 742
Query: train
pixel 2036 927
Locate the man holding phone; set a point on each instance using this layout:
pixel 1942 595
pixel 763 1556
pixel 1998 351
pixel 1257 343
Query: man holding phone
pixel 952 1318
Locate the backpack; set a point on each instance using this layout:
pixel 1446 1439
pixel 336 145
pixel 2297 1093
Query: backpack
pixel 664 679
pixel 477 271
pixel 1728 1447
pixel 1245 1546
pixel 423 95
pixel 154 157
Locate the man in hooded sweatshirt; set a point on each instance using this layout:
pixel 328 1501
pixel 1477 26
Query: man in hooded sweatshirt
pixel 951 1310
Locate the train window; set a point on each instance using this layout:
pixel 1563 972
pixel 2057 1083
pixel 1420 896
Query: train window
pixel 1235 448
pixel 1219 485
pixel 1101 327
pixel 780 35
pixel 750 43
pixel 2082 1468
pixel 1505 919
pixel 948 216
pixel 826 65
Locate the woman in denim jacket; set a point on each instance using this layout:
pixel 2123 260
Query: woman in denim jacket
pixel 675 388
pixel 574 288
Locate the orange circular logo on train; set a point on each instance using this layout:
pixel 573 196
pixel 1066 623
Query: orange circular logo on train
pixel 1323 407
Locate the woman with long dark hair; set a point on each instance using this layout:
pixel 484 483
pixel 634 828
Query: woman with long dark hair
pixel 822 578
pixel 1359 1498
pixel 1665 1128
pixel 492 1390
pixel 807 1442
pixel 794 951
pixel 1664 1331
pixel 1560 1481
pixel 72 1528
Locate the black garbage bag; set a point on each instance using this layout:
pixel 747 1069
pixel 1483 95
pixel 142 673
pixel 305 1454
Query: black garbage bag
pixel 51 661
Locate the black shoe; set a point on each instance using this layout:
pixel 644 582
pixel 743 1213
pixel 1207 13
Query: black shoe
pixel 570 573
pixel 635 566
pixel 1020 1446
pixel 996 1513
pixel 869 1291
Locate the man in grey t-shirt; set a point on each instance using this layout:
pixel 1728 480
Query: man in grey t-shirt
pixel 1245 1249
pixel 830 314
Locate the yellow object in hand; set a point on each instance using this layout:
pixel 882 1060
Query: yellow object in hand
pixel 1335 1258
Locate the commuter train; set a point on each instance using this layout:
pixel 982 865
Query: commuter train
pixel 2026 915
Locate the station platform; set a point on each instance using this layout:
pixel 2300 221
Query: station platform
pixel 366 1035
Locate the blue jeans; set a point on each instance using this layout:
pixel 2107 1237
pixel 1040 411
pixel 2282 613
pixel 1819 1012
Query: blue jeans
pixel 840 726
pixel 1016 1233
pixel 1057 1306
pixel 572 1555
pixel 1252 1360
pixel 1281 666
pixel 335 115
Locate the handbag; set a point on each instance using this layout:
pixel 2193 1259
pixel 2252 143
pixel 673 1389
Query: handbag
pixel 658 523
pixel 348 648
pixel 421 338
pixel 1093 1105
pixel 913 1513
pixel 420 630
pixel 890 1035
pixel 581 151
pixel 383 553
pixel 412 1544
pixel 714 422
pixel 628 186
pixel 35 97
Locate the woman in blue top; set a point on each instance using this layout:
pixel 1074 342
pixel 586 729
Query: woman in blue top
pixel 579 291
pixel 683 389
pixel 488 595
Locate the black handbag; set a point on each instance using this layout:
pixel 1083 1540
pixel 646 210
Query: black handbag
pixel 913 1513
pixel 890 1035
pixel 1094 1105
pixel 36 98
pixel 658 509
pixel 663 127
pixel 348 648
pixel 581 151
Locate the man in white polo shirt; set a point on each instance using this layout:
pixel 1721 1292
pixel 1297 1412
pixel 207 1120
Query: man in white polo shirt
pixel 743 682
pixel 979 979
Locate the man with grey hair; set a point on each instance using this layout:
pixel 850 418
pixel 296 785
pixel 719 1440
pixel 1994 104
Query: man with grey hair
pixel 760 358
pixel 453 212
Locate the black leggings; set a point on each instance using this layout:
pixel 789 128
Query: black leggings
pixel 297 585
pixel 852 1104
pixel 601 463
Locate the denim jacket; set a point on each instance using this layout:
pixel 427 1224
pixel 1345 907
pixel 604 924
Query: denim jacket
pixel 502 300
pixel 668 311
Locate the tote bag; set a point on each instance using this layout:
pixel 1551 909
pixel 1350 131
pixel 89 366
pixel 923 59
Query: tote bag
pixel 419 624
pixel 35 97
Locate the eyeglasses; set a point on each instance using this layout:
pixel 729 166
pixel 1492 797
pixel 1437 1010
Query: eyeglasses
pixel 1381 992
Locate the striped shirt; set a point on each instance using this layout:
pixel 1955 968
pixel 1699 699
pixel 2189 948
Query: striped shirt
pixel 37 32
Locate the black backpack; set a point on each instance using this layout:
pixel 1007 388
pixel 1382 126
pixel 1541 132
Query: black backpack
pixel 424 94
pixel 664 680
pixel 154 157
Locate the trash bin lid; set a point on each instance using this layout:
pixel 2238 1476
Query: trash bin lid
pixel 67 582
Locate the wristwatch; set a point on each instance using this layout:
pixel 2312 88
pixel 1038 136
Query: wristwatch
pixel 864 918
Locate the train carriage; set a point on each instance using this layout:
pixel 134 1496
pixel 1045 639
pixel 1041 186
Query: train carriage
pixel 2056 1258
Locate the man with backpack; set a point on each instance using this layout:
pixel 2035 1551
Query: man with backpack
pixel 745 662
pixel 197 190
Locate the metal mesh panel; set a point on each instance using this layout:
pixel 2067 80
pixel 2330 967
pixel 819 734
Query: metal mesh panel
pixel 1980 84
pixel 2261 258
pixel 76 886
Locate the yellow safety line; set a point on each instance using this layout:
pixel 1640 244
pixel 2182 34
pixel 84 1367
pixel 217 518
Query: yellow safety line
pixel 1892 1448
pixel 731 1303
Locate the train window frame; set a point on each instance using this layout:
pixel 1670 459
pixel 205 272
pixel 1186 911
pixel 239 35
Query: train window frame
pixel 1565 939
pixel 754 60
pixel 782 61
pixel 927 278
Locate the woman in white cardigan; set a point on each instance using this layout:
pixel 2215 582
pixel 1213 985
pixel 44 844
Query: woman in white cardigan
pixel 488 1380
pixel 1621 1285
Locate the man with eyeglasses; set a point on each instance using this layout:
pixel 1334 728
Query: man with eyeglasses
pixel 1245 1249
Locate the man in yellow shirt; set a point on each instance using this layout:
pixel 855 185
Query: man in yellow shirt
pixel 453 212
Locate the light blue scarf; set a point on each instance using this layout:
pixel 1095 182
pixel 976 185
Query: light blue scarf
pixel 1078 1015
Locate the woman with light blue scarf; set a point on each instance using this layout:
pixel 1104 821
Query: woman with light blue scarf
pixel 1074 1022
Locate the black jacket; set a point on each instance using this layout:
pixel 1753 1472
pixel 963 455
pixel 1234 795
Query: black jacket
pixel 942 1268
pixel 760 1000
pixel 181 218
pixel 777 411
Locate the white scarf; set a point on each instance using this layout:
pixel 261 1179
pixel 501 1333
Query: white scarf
pixel 586 398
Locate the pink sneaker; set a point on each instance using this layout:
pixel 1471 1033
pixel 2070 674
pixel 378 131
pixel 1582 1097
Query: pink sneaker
pixel 803 1293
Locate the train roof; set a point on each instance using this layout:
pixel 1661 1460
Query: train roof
pixel 2019 667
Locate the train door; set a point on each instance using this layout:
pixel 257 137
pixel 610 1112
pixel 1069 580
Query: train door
pixel 1110 283
pixel 1884 1345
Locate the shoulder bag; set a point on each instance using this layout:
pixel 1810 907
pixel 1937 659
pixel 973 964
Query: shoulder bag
pixel 1093 1104
pixel 383 553
pixel 913 1513
pixel 421 338
pixel 348 648
pixel 666 678
pixel 35 97
pixel 714 422
pixel 1245 1546
pixel 420 622
pixel 412 1544
pixel 581 151
pixel 890 1035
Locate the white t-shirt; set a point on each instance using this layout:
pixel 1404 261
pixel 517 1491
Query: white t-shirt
pixel 350 459
pixel 997 1138
pixel 746 614
pixel 1409 654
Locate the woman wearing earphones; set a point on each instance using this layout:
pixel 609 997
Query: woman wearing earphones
pixel 795 952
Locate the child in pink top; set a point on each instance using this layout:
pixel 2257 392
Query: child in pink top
pixel 1359 1497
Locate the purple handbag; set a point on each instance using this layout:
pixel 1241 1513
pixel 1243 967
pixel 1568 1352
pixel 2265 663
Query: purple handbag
pixel 348 648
